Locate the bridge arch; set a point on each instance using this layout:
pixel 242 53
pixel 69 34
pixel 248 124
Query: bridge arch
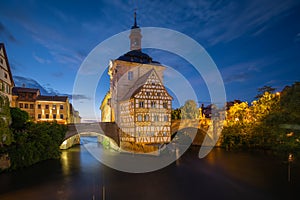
pixel 74 139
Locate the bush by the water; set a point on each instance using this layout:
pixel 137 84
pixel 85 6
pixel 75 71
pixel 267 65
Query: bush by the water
pixel 33 142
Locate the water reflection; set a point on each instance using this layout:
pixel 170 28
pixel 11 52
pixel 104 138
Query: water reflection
pixel 220 175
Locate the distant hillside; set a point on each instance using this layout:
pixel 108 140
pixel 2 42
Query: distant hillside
pixel 31 83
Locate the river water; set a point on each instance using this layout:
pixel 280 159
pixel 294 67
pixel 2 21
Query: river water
pixel 220 175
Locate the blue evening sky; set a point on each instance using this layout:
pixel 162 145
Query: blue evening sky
pixel 252 42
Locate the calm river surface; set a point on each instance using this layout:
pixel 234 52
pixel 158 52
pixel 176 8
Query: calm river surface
pixel 220 175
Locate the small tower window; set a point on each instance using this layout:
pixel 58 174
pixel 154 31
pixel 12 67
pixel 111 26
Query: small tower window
pixel 130 75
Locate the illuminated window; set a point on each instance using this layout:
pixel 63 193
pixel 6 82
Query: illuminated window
pixel 140 118
pixel 166 118
pixel 141 104
pixel 153 104
pixel 165 104
pixel 54 107
pixel 130 75
pixel 146 118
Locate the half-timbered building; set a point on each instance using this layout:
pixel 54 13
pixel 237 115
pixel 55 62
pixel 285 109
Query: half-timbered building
pixel 137 100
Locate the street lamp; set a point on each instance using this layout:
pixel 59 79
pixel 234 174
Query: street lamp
pixel 290 160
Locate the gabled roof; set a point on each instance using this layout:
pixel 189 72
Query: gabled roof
pixel 7 63
pixel 139 84
pixel 17 90
pixel 52 98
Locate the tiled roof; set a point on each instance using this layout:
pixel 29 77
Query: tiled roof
pixel 52 98
pixel 137 56
pixel 17 90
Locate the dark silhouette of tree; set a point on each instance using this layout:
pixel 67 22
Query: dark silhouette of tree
pixel 261 91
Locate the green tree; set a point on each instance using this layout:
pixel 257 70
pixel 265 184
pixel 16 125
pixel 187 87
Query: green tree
pixel 190 110
pixel 271 122
pixel 5 119
pixel 261 91
pixel 36 142
pixel 19 118
pixel 239 113
pixel 176 114
pixel 283 121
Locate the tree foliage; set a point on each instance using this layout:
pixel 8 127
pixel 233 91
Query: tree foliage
pixel 271 122
pixel 176 114
pixel 261 91
pixel 19 118
pixel 37 142
pixel 190 110
pixel 5 119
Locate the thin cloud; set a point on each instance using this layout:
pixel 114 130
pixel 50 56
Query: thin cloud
pixel 58 74
pixel 297 38
pixel 241 72
pixel 40 59
pixel 6 33
pixel 79 97
pixel 218 21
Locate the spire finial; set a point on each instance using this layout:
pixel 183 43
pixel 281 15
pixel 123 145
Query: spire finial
pixel 135 24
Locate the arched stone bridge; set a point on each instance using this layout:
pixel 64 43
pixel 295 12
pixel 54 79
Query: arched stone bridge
pixel 109 131
pixel 103 130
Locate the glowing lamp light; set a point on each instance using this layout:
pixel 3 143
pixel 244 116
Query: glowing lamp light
pixel 291 157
